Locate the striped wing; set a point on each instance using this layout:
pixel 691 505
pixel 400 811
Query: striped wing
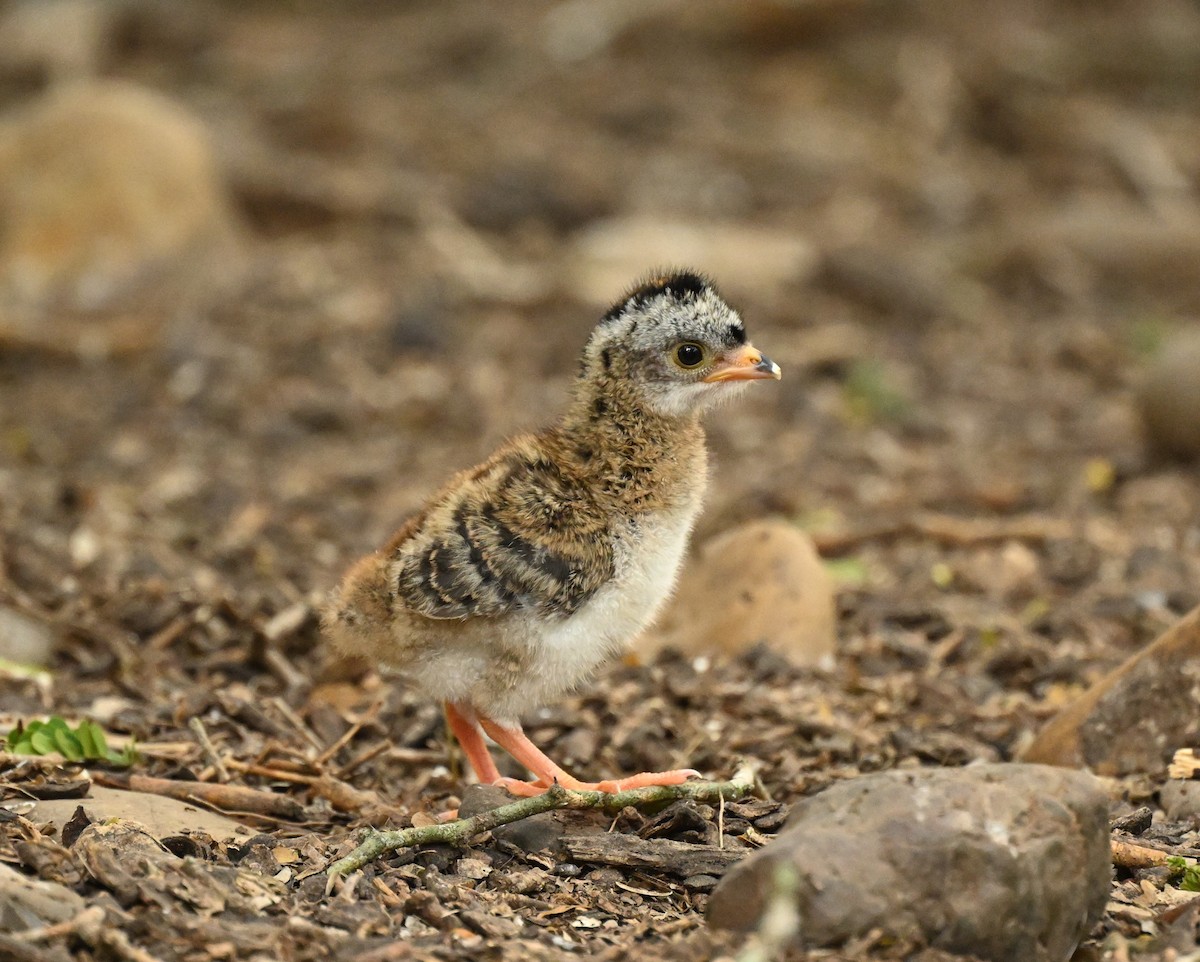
pixel 513 535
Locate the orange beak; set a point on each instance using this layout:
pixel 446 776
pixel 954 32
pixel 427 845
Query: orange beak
pixel 744 364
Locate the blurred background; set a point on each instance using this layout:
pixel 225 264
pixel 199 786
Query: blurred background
pixel 269 271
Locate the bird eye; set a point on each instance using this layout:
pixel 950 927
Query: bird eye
pixel 689 355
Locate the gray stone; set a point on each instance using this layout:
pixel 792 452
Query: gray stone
pixel 1004 862
pixel 25 640
pixel 28 903
pixel 1180 800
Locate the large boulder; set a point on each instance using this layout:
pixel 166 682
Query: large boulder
pixel 1001 862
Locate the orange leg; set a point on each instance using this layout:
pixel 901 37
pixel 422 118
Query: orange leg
pixel 514 741
pixel 465 725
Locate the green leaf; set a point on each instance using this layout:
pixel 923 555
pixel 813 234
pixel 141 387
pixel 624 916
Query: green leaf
pixel 68 744
pixel 42 741
pixel 847 571
pixel 87 739
pixel 99 741
pixel 1190 873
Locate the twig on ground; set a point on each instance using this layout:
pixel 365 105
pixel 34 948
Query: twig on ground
pixel 229 798
pixel 948 530
pixel 210 751
pixel 348 735
pixel 1128 855
pixel 556 797
pixel 344 797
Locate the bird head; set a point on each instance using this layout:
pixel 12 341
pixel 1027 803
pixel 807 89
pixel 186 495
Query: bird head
pixel 676 344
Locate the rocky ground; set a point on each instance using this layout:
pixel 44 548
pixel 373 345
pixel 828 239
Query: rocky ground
pixel 246 328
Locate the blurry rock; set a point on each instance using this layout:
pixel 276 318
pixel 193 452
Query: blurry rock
pixel 880 279
pixel 514 195
pixel 56 39
pixel 1169 397
pixel 998 862
pixel 760 583
pixel 1180 799
pixel 105 187
pixel 1125 241
pixel 611 253
pixel 25 640
pixel 27 903
pixel 1132 719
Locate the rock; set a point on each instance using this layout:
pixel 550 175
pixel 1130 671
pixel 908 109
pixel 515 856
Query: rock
pixel 104 187
pixel 1133 718
pixel 156 815
pixel 1169 397
pixel 609 254
pixel 62 39
pixel 27 903
pixel 999 862
pixel 1180 800
pixel 538 833
pixel 760 583
pixel 1124 241
pixel 882 280
pixel 25 640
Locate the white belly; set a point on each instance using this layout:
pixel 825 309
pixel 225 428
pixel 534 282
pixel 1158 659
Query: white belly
pixel 646 564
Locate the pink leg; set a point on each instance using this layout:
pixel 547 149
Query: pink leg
pixel 465 725
pixel 514 741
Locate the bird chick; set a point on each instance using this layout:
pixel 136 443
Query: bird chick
pixel 525 573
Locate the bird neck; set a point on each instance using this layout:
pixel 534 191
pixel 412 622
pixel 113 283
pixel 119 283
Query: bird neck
pixel 637 458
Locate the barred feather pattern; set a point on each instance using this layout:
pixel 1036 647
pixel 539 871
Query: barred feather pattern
pixel 514 534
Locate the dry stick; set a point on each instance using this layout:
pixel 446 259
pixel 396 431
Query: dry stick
pixel 206 745
pixel 1129 855
pixel 227 798
pixel 456 833
pixel 349 733
pixel 947 529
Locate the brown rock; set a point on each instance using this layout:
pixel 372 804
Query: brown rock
pixel 1124 240
pixel 998 862
pixel 759 583
pixel 103 188
pixel 1134 718
pixel 877 277
pixel 610 253
pixel 1169 397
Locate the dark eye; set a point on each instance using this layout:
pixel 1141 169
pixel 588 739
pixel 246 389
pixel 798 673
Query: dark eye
pixel 689 355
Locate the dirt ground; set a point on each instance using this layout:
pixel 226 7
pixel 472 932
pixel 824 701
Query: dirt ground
pixel 1000 205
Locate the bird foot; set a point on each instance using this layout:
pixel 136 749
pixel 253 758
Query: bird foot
pixel 641 780
pixel 514 786
pixel 610 786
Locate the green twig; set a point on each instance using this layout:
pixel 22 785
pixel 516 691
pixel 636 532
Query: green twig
pixel 459 832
